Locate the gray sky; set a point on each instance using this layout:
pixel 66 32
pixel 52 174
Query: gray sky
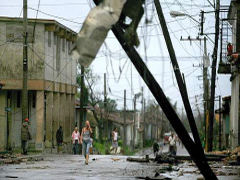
pixel 111 57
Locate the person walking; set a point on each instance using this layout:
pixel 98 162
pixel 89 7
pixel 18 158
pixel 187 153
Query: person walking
pixel 25 135
pixel 76 140
pixel 114 140
pixel 59 138
pixel 172 144
pixel 85 140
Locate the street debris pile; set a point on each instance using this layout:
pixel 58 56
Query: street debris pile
pixel 223 163
pixel 231 157
pixel 18 158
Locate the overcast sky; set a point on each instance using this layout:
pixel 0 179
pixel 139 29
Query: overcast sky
pixel 111 58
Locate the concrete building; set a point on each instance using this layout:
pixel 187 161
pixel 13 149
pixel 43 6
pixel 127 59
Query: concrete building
pixel 229 64
pixel 51 82
pixel 234 20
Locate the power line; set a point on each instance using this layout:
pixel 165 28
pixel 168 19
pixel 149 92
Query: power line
pixel 58 17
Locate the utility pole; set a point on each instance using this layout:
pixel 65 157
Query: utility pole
pixel 180 82
pixel 25 64
pixel 82 99
pixel 220 125
pixel 206 64
pixel 125 123
pixel 213 79
pixel 142 126
pixel 105 105
pixel 134 122
pixel 144 120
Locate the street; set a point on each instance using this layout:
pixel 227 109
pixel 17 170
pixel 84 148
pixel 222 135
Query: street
pixel 65 166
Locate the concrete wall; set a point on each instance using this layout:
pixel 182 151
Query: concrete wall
pixel 52 88
pixel 3 121
pixel 11 53
pixel 59 67
pixel 234 112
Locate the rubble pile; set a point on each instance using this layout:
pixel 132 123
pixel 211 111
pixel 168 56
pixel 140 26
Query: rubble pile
pixel 17 158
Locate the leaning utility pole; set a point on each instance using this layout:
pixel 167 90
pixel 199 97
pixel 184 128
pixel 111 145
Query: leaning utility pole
pixel 213 79
pixel 178 75
pixel 162 100
pixel 25 64
pixel 125 124
pixel 82 99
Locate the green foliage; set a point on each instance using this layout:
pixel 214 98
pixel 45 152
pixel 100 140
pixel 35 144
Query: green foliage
pixel 148 143
pixel 111 105
pixel 128 152
pixel 120 143
pixel 102 148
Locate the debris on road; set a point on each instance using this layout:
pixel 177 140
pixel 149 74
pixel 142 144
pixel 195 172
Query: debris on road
pixel 115 159
pixel 141 160
pixel 18 158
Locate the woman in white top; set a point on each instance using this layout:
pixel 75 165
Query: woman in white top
pixel 76 140
pixel 115 140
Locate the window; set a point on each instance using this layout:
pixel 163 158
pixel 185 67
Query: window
pixel 49 38
pixel 33 99
pixel 19 99
pixel 63 44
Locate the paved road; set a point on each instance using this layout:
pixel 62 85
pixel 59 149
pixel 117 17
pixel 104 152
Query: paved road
pixel 73 167
pixel 100 167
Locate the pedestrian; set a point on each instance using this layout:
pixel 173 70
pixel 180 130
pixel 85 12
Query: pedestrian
pixel 25 135
pixel 155 148
pixel 114 140
pixel 59 138
pixel 85 140
pixel 76 140
pixel 172 144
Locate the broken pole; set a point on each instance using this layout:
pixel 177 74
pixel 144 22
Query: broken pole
pixel 162 100
pixel 166 106
pixel 180 81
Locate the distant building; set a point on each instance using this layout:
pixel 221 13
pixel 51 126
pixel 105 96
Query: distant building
pixel 51 83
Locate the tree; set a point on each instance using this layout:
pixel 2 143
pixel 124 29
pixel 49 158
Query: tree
pixel 96 101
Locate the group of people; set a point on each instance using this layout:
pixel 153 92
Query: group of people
pixel 84 138
pixel 172 141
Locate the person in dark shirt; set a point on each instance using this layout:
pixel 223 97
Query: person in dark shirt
pixel 59 137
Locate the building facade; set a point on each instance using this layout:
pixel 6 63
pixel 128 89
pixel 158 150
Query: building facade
pixel 51 82
pixel 234 20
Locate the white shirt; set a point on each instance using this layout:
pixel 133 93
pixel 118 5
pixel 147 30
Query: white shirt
pixel 172 140
pixel 115 136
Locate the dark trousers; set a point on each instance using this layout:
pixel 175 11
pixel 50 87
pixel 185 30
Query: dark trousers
pixel 24 147
pixel 172 150
pixel 76 147
pixel 59 145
